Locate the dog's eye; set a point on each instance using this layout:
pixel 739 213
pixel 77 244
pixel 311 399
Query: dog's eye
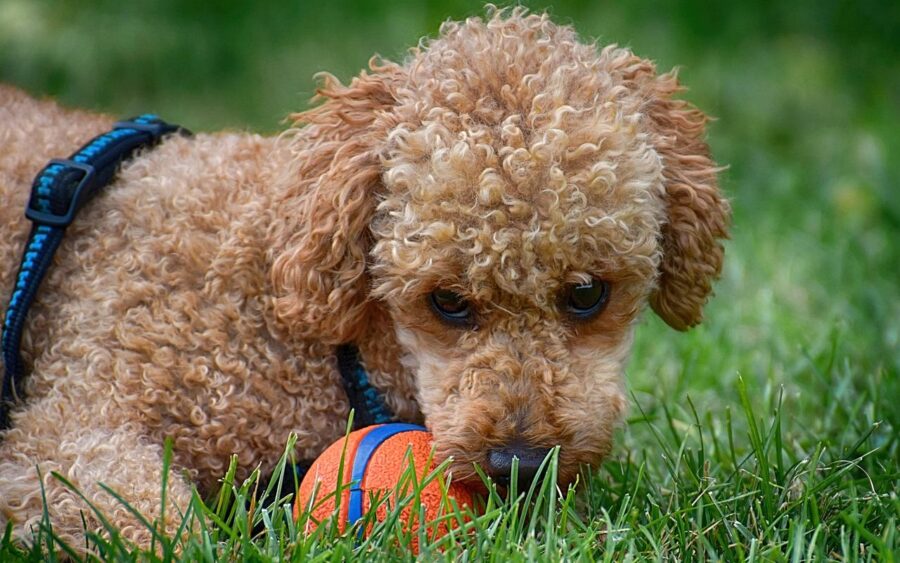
pixel 586 300
pixel 451 306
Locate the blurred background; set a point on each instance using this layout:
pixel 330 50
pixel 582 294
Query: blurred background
pixel 807 99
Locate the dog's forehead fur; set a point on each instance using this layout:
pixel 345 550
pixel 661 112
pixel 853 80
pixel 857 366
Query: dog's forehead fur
pixel 517 172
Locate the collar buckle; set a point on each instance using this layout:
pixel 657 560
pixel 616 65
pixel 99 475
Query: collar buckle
pixel 79 195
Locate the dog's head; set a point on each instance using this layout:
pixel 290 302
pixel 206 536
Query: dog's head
pixel 510 198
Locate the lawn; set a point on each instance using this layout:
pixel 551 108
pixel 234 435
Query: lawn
pixel 768 433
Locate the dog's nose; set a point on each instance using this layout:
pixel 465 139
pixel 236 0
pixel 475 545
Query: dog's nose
pixel 500 462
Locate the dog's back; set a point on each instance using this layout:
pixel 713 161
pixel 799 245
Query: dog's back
pixel 158 286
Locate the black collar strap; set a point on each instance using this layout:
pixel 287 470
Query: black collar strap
pixel 58 193
pixel 367 403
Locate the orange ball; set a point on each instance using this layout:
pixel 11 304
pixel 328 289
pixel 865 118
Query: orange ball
pixel 375 459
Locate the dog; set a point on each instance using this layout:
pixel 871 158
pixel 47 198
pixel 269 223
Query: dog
pixel 484 221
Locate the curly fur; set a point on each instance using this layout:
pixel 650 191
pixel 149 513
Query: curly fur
pixel 201 296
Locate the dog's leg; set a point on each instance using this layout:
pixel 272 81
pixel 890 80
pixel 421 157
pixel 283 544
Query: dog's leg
pixel 44 442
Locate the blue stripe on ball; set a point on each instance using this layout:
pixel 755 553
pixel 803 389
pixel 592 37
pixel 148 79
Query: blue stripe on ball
pixel 364 451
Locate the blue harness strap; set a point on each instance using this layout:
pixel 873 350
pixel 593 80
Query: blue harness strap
pixel 61 189
pixel 58 192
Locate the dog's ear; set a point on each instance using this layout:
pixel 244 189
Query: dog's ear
pixel 324 200
pixel 697 214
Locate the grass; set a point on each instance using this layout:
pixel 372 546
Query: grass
pixel 770 432
pixel 698 488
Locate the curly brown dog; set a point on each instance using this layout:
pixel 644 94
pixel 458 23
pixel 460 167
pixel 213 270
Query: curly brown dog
pixel 485 222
